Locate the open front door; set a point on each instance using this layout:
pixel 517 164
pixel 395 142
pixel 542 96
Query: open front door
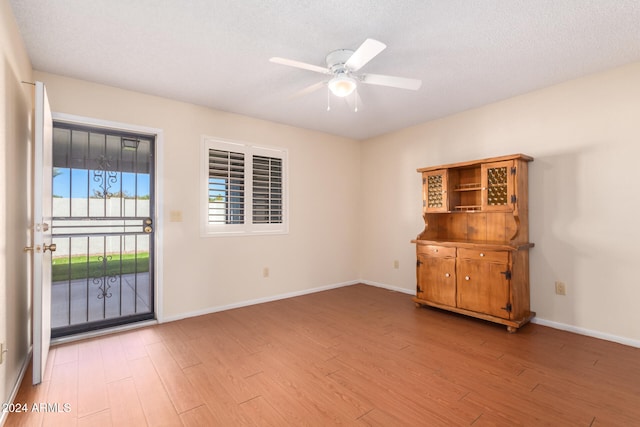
pixel 42 247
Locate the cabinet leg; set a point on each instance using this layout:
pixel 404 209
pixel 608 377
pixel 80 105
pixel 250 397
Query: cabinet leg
pixel 418 305
pixel 512 329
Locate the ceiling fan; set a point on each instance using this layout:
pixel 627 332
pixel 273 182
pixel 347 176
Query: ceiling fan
pixel 342 67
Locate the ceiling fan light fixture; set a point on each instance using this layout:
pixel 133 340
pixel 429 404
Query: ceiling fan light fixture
pixel 342 85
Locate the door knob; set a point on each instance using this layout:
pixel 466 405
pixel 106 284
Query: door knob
pixel 52 247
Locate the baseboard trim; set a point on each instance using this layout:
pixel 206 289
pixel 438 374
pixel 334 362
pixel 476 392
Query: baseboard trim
pixel 257 301
pixel 389 287
pixel 16 386
pixel 555 325
pixel 537 320
pixel 587 332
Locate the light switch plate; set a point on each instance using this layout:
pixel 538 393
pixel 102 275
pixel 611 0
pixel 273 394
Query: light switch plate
pixel 175 216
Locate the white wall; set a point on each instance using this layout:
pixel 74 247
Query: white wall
pixel 201 274
pixel 15 119
pixel 585 138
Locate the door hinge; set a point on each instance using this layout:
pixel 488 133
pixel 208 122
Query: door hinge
pixel 424 203
pixel 507 274
pixel 508 307
pixel 424 181
pixel 513 170
pixel 418 263
pixel 513 198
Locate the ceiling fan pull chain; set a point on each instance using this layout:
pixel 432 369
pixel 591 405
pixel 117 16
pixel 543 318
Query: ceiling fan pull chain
pixel 328 99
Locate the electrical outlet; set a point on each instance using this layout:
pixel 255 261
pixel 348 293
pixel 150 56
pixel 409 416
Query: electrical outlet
pixel 561 288
pixel 396 264
pixel 265 272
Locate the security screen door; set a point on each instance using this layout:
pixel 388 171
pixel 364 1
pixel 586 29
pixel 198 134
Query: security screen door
pixel 102 270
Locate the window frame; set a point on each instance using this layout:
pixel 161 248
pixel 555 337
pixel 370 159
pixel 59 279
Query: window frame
pixel 248 227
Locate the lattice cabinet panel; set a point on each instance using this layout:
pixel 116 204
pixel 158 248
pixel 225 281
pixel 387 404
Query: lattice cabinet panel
pixel 435 192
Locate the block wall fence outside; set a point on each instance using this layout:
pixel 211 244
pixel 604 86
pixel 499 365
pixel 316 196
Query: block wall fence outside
pixel 80 207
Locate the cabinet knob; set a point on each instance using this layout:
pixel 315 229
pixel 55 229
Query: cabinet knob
pixel 435 250
pixel 447 275
pixel 481 254
pixel 467 278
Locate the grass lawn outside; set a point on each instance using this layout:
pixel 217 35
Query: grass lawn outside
pixel 82 267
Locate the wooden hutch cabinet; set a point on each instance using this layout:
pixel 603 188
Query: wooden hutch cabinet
pixel 473 255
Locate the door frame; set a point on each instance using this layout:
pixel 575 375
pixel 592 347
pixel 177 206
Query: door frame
pixel 158 196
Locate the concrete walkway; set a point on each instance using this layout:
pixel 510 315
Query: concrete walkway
pixel 80 301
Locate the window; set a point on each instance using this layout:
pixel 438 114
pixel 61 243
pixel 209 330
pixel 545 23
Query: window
pixel 244 188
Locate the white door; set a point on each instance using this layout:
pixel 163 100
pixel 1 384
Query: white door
pixel 41 274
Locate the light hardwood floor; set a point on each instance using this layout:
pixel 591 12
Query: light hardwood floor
pixel 357 355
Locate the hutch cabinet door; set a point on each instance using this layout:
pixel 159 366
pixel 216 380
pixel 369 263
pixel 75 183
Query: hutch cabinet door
pixel 483 285
pixel 434 187
pixel 497 186
pixel 437 279
pixel 436 273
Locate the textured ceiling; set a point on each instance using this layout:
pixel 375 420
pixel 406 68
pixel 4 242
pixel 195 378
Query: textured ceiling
pixel 216 53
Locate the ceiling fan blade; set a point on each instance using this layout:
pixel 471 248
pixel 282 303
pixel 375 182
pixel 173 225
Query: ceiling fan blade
pixel 365 53
pixel 298 64
pixel 391 81
pixel 308 90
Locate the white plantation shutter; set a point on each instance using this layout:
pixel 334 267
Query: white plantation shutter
pixel 244 189
pixel 267 190
pixel 226 187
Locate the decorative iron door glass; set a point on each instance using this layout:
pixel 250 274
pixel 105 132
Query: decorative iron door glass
pixel 102 272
